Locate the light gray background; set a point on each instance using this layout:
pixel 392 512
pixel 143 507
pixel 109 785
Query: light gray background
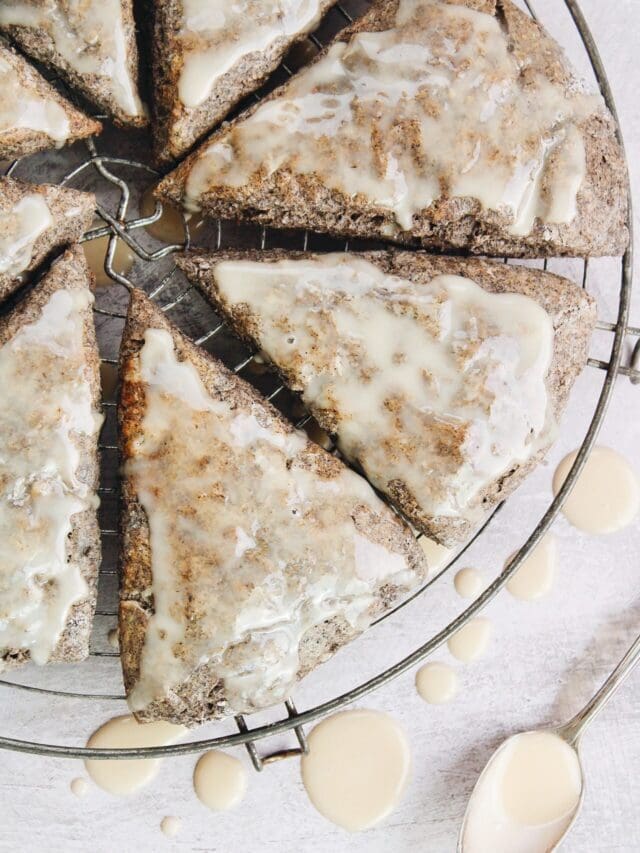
pixel 545 658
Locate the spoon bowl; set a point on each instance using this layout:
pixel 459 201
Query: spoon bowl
pixel 527 797
pixel 531 791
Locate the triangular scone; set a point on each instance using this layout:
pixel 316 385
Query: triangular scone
pixel 91 44
pixel 208 56
pixel 33 115
pixel 443 378
pixel 49 424
pixel 455 125
pixel 35 220
pixel 249 554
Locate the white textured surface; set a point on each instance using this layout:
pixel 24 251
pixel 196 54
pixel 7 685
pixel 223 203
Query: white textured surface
pixel 545 659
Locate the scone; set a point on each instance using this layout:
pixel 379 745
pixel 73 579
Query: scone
pixel 249 554
pixel 49 424
pixel 34 116
pixel 92 44
pixel 35 220
pixel 443 378
pixel 207 56
pixel 453 125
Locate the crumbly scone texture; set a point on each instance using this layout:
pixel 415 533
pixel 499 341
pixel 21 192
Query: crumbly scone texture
pixel 20 141
pixel 177 128
pixel 572 310
pixel 288 200
pixel 71 212
pixel 201 695
pixel 70 272
pixel 41 46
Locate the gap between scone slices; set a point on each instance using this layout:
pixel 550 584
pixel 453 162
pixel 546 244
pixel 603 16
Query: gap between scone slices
pixel 92 44
pixel 33 115
pixel 249 554
pixel 442 378
pixel 444 124
pixel 49 424
pixel 209 54
pixel 35 220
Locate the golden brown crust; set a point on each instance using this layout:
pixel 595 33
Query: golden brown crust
pixel 287 200
pixel 572 311
pixel 70 272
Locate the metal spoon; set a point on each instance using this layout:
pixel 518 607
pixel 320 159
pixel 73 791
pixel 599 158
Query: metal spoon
pixel 571 734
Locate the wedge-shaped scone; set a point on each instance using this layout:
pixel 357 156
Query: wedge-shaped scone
pixel 249 553
pixel 49 424
pixel 33 116
pixel 35 220
pixel 209 54
pixel 91 43
pixel 447 124
pixel 442 378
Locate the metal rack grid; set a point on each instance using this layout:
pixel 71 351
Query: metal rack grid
pixel 120 223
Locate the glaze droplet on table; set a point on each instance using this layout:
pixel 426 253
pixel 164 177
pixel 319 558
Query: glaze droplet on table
pixel 471 641
pixel 125 776
pixel 170 826
pixel 219 780
pixel 436 683
pixel 79 787
pixel 468 583
pixel 534 577
pixel 357 768
pixel 606 496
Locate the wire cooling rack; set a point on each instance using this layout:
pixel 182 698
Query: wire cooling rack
pixel 114 168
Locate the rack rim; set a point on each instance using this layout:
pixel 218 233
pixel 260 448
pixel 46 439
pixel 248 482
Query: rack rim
pixel 295 719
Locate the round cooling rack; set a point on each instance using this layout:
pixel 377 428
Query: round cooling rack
pixel 112 167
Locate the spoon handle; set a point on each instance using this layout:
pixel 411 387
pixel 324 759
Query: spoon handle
pixel 572 730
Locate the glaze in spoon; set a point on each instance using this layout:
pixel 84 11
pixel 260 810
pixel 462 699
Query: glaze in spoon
pixel 530 792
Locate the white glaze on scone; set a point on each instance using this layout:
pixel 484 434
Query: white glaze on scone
pixel 20 227
pixel 22 109
pixel 89 35
pixel 255 538
pixel 46 404
pixel 436 105
pixel 216 34
pixel 440 386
